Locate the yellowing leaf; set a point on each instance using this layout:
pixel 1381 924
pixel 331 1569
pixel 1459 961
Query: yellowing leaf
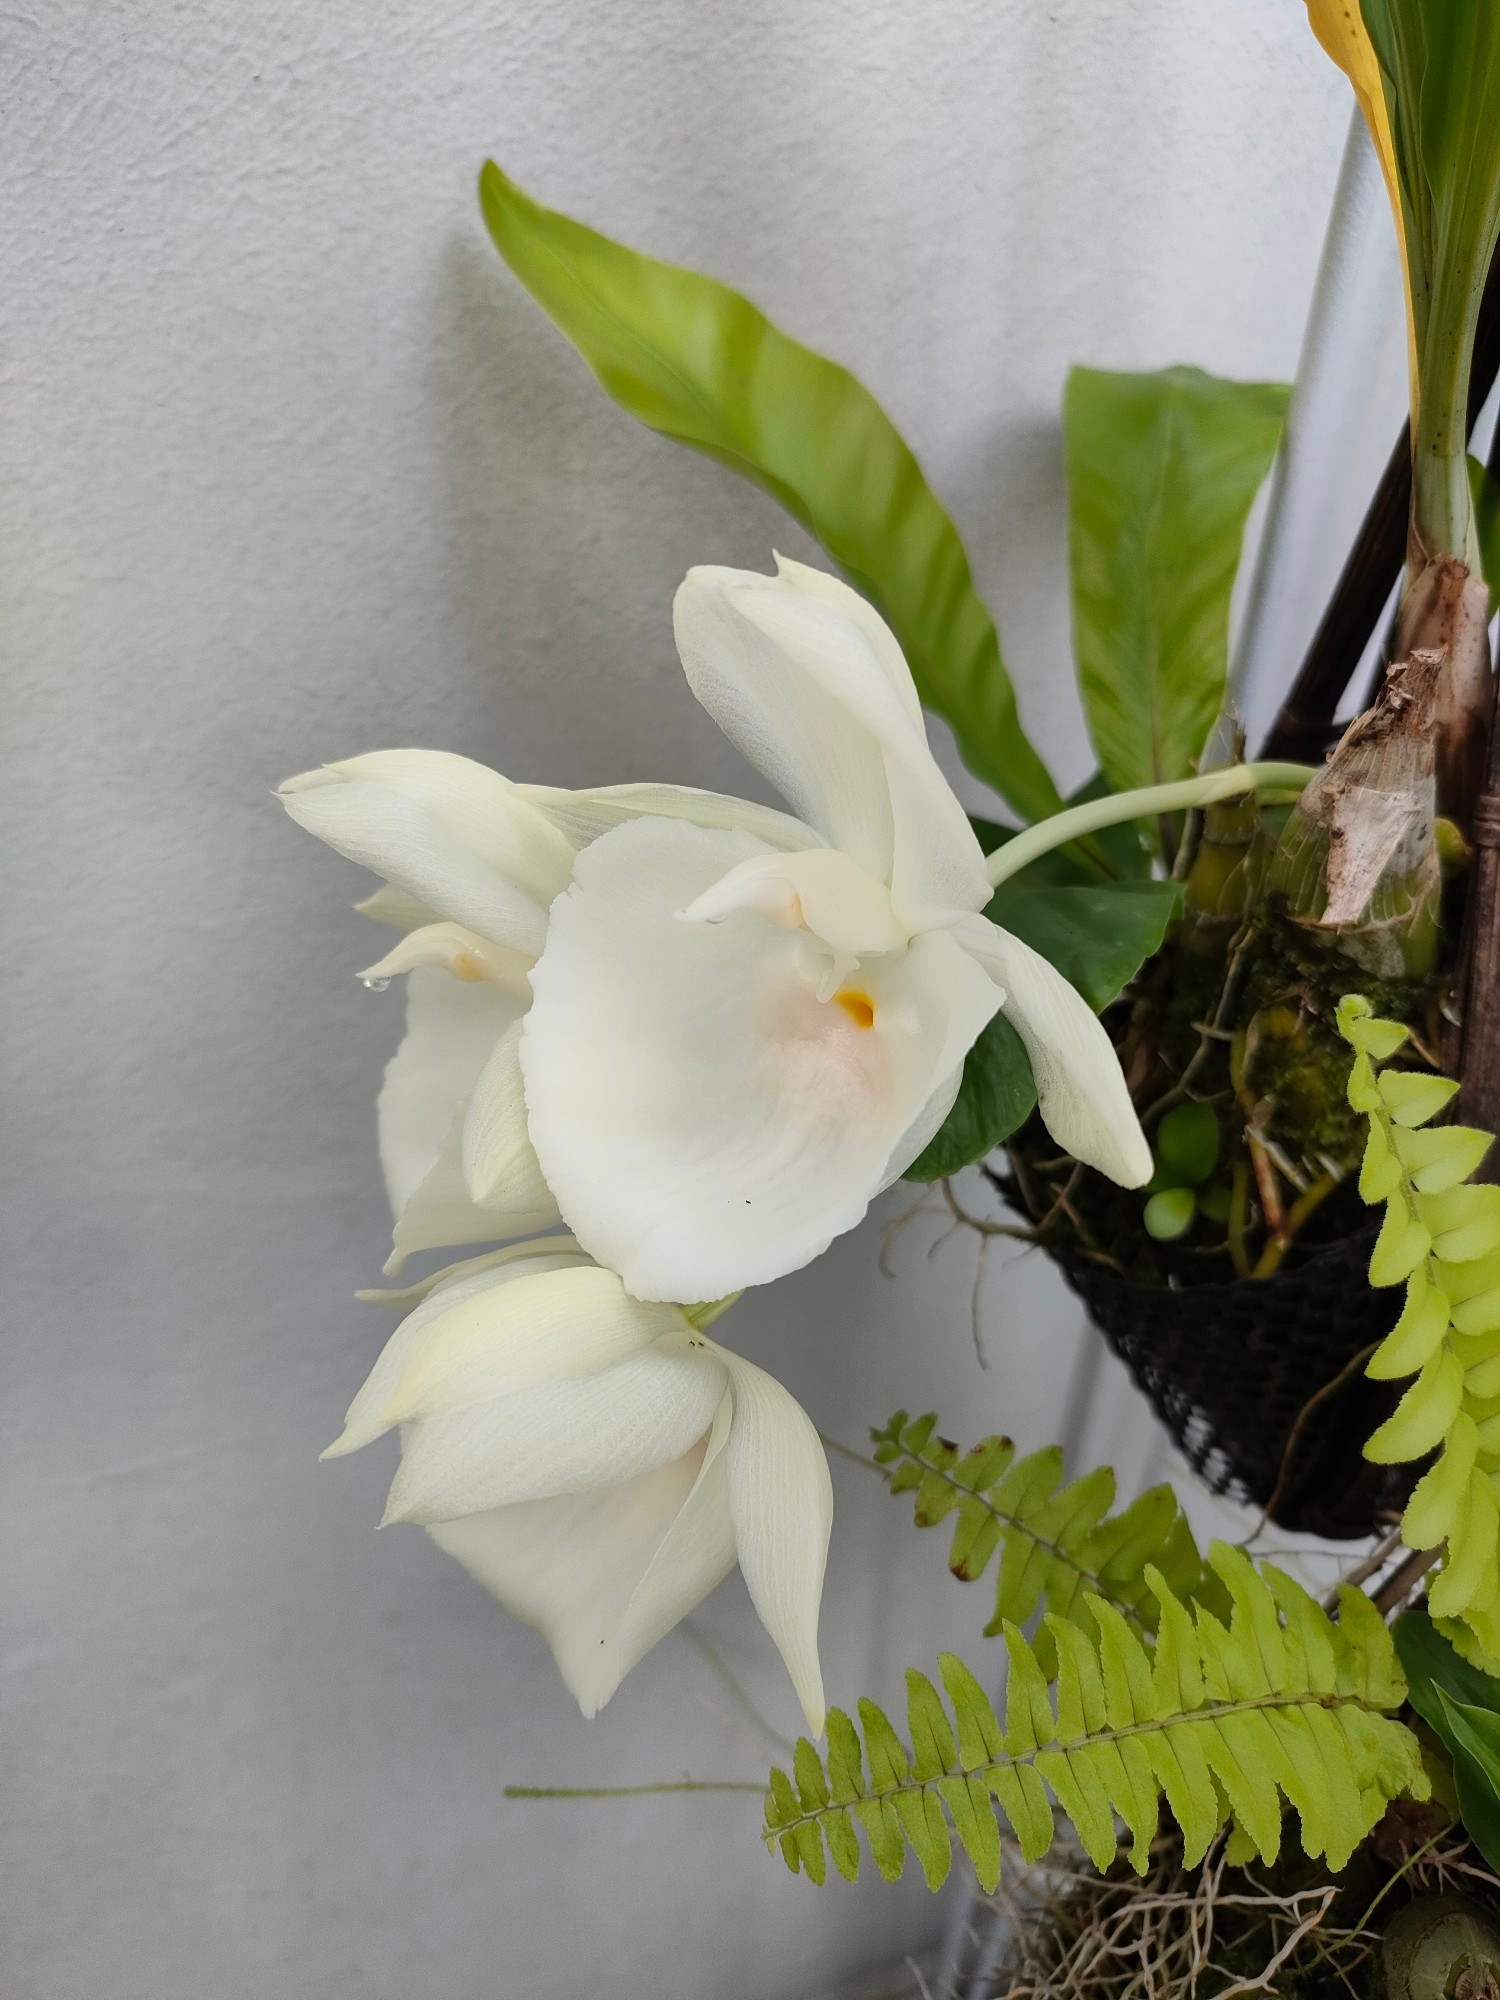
pixel 1340 27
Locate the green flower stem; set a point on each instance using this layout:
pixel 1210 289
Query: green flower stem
pixel 1062 827
pixel 706 1311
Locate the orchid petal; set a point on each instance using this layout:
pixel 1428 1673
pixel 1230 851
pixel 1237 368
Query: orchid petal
pixel 558 1437
pixel 446 831
pixel 799 680
pixel 400 1298
pixel 452 1029
pixel 826 588
pixel 500 1167
pixel 1080 1086
pixel 559 1324
pixel 571 1565
pixel 781 1502
pixel 696 1553
pixel 365 1420
pixel 930 1119
pixel 462 953
pixel 781 717
pixel 821 891
pixel 704 1119
pixel 393 906
pixel 478 806
pixel 583 816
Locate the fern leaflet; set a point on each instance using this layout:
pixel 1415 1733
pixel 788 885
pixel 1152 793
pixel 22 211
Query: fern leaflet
pixel 1442 1236
pixel 1224 1721
pixel 1057 1540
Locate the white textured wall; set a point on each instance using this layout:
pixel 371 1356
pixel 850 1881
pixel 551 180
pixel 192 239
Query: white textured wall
pixel 289 467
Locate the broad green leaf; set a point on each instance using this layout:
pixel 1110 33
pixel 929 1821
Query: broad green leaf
pixel 700 363
pixel 1161 469
pixel 1098 936
pixel 995 1098
pixel 1463 1706
pixel 1485 490
pixel 1439 71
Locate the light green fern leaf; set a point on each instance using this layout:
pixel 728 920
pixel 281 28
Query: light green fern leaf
pixel 1056 1538
pixel 1440 1237
pixel 1229 1721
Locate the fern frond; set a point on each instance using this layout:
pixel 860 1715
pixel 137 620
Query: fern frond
pixel 1224 1721
pixel 1057 1539
pixel 1441 1236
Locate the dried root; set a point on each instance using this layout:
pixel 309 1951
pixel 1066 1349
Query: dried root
pixel 1219 1931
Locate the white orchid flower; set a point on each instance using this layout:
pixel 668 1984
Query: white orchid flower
pixel 470 869
pixel 598 1463
pixel 737 1038
pixel 470 864
pixel 746 1022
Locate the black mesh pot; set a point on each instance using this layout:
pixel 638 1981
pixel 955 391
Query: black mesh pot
pixel 1232 1369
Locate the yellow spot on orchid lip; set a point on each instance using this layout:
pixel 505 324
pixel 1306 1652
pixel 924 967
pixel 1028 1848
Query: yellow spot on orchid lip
pixel 858 1006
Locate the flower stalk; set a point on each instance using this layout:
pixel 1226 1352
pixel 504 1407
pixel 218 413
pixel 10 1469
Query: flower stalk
pixel 1117 807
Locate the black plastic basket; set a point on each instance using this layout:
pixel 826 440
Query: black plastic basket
pixel 1232 1371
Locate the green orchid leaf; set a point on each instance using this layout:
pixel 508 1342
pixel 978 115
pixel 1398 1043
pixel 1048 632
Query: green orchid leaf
pixel 995 1098
pixel 1463 1706
pixel 701 364
pixel 1162 469
pixel 1098 935
pixel 1439 74
pixel 1485 489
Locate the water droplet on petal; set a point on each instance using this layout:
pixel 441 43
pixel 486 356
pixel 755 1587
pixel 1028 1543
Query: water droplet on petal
pixel 373 985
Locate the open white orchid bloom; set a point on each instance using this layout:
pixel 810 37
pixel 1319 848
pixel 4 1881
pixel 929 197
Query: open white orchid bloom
pixel 745 1023
pixel 739 1035
pixel 598 1463
pixel 470 864
pixel 470 868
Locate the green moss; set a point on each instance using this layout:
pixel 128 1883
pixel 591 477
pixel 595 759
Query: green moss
pixel 1245 1010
